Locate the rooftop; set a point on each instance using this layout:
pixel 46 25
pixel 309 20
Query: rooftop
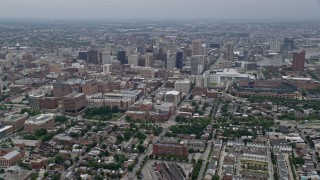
pixel 42 118
pixel 175 93
pixel 10 155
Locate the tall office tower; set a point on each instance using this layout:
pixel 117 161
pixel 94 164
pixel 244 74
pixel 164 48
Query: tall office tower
pixel 171 61
pixel 133 59
pixel 298 61
pixel 229 53
pixel 179 60
pixel 122 57
pixel 194 65
pixel 288 44
pixel 275 45
pixel 106 57
pixel 196 47
pixel 148 60
pixel 93 57
pixel 106 68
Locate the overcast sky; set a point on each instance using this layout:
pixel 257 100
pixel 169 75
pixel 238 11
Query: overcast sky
pixel 219 9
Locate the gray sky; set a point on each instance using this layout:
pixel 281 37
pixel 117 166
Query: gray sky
pixel 220 9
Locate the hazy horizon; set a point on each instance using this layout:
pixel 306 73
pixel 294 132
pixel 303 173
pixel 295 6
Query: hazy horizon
pixel 161 9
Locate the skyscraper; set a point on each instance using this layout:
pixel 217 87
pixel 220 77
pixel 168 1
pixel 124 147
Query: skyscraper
pixel 171 61
pixel 275 45
pixel 179 60
pixel 298 61
pixel 229 53
pixel 288 44
pixel 148 60
pixel 196 47
pixel 93 57
pixel 122 57
pixel 133 59
pixel 194 65
pixel 106 57
pixel 83 55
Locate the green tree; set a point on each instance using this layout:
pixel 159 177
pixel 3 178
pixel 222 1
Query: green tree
pixel 40 132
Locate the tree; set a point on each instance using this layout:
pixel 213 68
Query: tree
pixel 115 109
pixel 40 132
pixel 215 177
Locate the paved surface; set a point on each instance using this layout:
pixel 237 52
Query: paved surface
pixel 221 160
pixel 205 159
pixel 289 167
pixel 270 165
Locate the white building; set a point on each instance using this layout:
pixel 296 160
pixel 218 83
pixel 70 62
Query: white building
pixel 106 68
pixel 133 59
pixel 183 85
pixel 148 60
pixel 171 61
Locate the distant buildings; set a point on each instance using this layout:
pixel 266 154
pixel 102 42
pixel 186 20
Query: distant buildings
pixel 171 61
pixel 298 61
pixel 42 121
pixel 122 57
pixel 196 47
pixel 149 60
pixel 229 54
pixel 179 60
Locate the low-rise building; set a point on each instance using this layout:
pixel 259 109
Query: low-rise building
pixel 15 120
pixel 9 158
pixel 45 121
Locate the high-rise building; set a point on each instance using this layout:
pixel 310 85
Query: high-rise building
pixel 275 45
pixel 122 57
pixel 148 60
pixel 106 57
pixel 194 65
pixel 83 55
pixel 133 59
pixel 179 60
pixel 288 44
pixel 298 61
pixel 229 54
pixel 93 57
pixel 196 47
pixel 171 61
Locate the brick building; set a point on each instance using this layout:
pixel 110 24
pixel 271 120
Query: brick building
pixel 89 87
pixel 49 103
pixel 176 149
pixel 16 121
pixel 42 121
pixel 60 90
pixel 74 103
pixel 8 158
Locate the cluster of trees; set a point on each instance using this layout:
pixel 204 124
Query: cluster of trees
pixel 195 127
pixel 31 112
pixel 61 119
pixel 40 134
pixel 196 169
pixel 101 113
